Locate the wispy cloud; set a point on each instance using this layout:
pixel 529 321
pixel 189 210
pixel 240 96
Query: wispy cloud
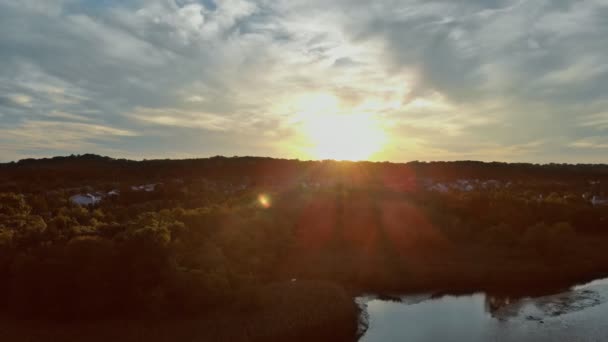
pixel 41 137
pixel 597 121
pixel 597 142
pixel 184 119
pixel 57 114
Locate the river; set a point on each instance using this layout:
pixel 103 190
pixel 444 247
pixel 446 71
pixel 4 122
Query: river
pixel 579 314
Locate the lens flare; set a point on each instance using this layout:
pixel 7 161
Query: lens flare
pixel 264 201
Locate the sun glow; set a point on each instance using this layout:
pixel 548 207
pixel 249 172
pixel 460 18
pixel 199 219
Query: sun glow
pixel 331 129
pixel 344 136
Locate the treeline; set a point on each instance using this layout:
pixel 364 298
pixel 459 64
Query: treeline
pixel 73 170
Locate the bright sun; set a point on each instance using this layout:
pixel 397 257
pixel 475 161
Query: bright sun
pixel 340 136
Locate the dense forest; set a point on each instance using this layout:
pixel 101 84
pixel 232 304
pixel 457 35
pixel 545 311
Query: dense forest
pixel 258 249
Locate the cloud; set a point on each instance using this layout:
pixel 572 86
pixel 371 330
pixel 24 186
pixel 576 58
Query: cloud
pixel 597 142
pixel 596 121
pixel 19 100
pixel 46 130
pixel 184 119
pixel 42 138
pixel 68 116
pixel 454 79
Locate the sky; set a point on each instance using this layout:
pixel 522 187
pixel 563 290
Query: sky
pixel 490 80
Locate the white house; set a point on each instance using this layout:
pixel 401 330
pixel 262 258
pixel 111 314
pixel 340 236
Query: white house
pixel 145 187
pixel 597 200
pixel 439 187
pixel 464 185
pixel 85 199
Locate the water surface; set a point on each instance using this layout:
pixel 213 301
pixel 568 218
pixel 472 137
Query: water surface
pixel 580 314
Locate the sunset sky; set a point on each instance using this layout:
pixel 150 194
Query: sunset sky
pixel 309 79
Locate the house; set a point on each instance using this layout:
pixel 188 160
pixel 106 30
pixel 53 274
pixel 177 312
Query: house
pixel 145 187
pixel 439 188
pixel 464 185
pixel 85 199
pixel 491 184
pixel 597 201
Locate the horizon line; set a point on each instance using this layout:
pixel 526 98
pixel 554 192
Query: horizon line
pixel 301 160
